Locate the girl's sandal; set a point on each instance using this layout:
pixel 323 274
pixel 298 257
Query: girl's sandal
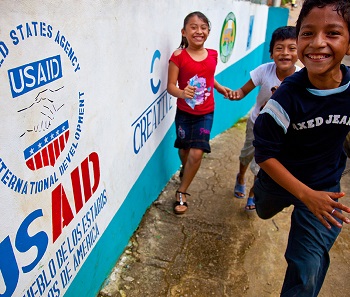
pixel 180 203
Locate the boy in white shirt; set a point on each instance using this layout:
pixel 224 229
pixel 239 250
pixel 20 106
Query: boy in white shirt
pixel 283 50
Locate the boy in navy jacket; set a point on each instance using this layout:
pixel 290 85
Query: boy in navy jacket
pixel 299 138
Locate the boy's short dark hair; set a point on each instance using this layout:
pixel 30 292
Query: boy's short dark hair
pixel 282 33
pixel 341 6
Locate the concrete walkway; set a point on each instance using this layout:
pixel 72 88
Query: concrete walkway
pixel 216 248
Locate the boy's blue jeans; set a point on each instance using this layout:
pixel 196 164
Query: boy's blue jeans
pixel 309 241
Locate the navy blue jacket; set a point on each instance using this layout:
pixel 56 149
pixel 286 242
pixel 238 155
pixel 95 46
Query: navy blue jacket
pixel 304 128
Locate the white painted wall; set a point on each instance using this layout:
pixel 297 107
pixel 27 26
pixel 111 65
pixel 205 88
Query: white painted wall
pixel 57 205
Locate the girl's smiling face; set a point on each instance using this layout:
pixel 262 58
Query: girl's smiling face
pixel 322 42
pixel 196 32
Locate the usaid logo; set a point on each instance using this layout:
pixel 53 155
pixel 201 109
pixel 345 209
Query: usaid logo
pixel 41 106
pixel 34 75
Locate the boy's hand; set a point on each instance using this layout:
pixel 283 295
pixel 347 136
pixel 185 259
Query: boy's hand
pixel 237 95
pixel 323 206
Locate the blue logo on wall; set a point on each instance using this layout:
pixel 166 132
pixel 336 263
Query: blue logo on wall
pixel 154 88
pixel 33 75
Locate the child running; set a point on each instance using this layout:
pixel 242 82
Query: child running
pixel 191 79
pixel 299 138
pixel 283 51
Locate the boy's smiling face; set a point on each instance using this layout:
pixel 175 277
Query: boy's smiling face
pixel 322 43
pixel 284 53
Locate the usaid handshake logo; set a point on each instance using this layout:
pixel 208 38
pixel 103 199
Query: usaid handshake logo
pixel 41 113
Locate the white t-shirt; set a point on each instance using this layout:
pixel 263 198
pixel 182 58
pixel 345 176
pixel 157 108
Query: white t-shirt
pixel 265 77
